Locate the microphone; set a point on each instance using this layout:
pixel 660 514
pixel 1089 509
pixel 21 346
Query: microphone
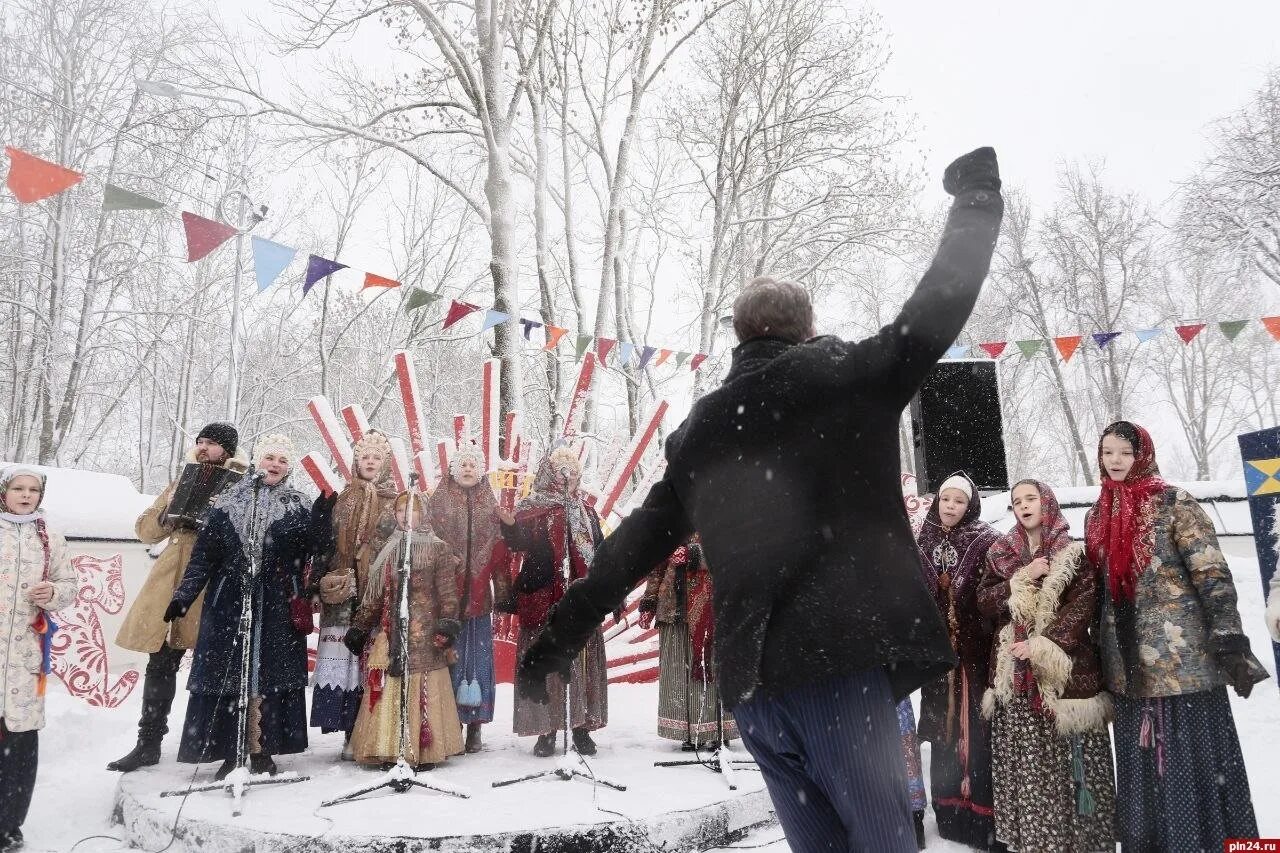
pixel 259 474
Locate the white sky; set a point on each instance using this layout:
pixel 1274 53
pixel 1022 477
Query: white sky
pixel 1135 82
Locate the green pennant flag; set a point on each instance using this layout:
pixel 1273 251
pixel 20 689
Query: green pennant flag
pixel 584 341
pixel 1232 328
pixel 419 298
pixel 681 358
pixel 118 198
pixel 1030 348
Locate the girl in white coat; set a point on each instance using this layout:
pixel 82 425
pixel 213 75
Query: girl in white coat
pixel 36 577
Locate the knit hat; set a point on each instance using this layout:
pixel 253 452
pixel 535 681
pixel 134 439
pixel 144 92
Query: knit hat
pixel 7 476
pixel 222 434
pixel 467 449
pixel 960 484
pixel 277 443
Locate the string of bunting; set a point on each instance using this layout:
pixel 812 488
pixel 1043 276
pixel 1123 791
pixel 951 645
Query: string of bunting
pixel 1068 345
pixel 32 179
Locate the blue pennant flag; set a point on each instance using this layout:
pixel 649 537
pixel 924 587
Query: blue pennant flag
pixel 626 350
pixel 645 355
pixel 319 268
pixel 269 260
pixel 958 351
pixel 1104 338
pixel 1145 335
pixel 493 318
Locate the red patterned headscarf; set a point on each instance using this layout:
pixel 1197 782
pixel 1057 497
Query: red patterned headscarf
pixel 1119 531
pixel 1007 554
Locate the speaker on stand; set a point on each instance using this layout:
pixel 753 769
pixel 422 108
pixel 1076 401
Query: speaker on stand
pixel 956 425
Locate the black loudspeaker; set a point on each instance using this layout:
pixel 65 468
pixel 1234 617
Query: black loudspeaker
pixel 956 425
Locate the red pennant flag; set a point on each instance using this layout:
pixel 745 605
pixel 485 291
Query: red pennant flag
pixel 697 361
pixel 204 235
pixel 1067 345
pixel 554 334
pixel 1188 332
pixel 458 310
pixel 1273 326
pixel 372 280
pixel 603 346
pixel 663 355
pixel 994 348
pixel 31 179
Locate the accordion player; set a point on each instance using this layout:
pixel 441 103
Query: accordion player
pixel 198 484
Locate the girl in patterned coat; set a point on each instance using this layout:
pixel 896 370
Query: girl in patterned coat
pixel 36 577
pixel 1171 642
pixel 1051 754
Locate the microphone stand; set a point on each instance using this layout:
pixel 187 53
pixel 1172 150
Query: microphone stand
pixel 238 781
pixel 571 765
pixel 722 760
pixel 401 777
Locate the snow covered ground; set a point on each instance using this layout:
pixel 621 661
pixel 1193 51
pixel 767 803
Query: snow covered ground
pixel 74 795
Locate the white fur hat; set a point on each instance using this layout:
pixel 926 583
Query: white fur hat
pixel 467 449
pixel 960 484
pixel 277 443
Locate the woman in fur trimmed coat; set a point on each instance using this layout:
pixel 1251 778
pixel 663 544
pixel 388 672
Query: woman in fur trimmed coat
pixel 1051 754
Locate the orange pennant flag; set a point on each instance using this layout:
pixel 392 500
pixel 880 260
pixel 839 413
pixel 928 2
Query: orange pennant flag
pixel 663 355
pixel 31 179
pixel 1273 326
pixel 1067 345
pixel 554 334
pixel 373 280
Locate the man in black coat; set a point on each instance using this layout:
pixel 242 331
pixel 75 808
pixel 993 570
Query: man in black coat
pixel 790 473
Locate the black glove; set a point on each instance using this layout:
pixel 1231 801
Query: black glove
pixel 507 604
pixel 541 659
pixel 176 610
pixel 1242 671
pixel 977 170
pixel 447 629
pixel 354 640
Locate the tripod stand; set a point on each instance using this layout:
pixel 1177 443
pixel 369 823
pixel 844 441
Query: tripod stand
pixel 571 765
pixel 238 781
pixel 401 777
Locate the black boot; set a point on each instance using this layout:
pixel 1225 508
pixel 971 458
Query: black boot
pixel 583 743
pixel 546 745
pixel 473 738
pixel 262 764
pixel 11 841
pixel 158 688
pixel 919 819
pixel 225 770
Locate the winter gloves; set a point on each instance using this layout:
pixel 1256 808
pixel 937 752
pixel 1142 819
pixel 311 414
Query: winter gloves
pixel 337 587
pixel 977 170
pixel 545 656
pixel 176 610
pixel 1237 662
pixel 354 640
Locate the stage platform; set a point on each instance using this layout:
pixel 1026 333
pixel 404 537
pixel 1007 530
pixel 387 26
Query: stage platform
pixel 673 809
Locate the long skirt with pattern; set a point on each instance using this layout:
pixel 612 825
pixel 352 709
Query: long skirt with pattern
pixel 687 705
pixel 475 661
pixel 276 725
pixel 911 755
pixel 1182 784
pixel 588 692
pixel 1052 794
pixel 960 780
pixel 336 697
pixel 434 732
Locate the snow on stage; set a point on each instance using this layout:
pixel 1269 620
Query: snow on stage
pixel 686 808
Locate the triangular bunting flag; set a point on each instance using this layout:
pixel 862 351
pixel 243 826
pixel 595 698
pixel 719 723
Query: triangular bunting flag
pixel 994 348
pixel 1030 348
pixel 118 198
pixel 529 326
pixel 1145 335
pixel 493 318
pixel 419 298
pixel 697 361
pixel 319 268
pixel 663 355
pixel 204 235
pixel 645 354
pixel 681 358
pixel 958 351
pixel 584 342
pixel 375 280
pixel 554 334
pixel 269 260
pixel 1067 345
pixel 1232 328
pixel 626 350
pixel 1273 326
pixel 31 179
pixel 458 310
pixel 603 347
pixel 1189 331
pixel 1104 338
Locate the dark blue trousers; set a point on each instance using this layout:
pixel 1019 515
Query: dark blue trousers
pixel 831 758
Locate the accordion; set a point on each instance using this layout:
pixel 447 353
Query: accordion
pixel 198 485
